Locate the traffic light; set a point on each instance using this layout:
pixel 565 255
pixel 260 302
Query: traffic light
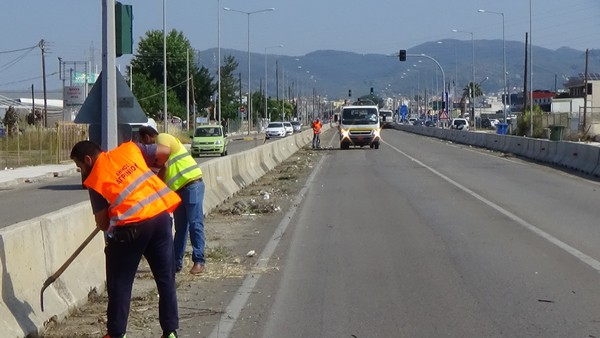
pixel 349 92
pixel 402 55
pixel 372 91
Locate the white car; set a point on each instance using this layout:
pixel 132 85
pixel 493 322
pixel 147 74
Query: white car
pixel 275 129
pixel 460 124
pixel 289 128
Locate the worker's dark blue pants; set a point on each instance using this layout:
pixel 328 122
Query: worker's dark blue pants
pixel 153 239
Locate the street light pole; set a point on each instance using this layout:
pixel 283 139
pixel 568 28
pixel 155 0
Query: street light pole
pixel 219 62
pixel 266 83
pixel 504 60
pixel 166 126
pixel 249 119
pixel 472 90
pixel 531 76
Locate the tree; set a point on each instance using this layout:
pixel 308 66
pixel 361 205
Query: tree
pixel 147 67
pixel 524 122
pixel 11 120
pixel 150 96
pixel 466 95
pixel 229 87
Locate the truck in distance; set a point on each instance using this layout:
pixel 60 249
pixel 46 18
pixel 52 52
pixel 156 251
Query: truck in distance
pixel 359 126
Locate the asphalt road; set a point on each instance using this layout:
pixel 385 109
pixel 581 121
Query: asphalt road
pixel 30 200
pixel 423 238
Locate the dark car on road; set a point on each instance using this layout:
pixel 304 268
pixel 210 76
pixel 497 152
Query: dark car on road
pixel 297 126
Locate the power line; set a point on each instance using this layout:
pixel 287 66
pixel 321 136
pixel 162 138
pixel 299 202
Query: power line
pixel 159 93
pixel 18 50
pixel 25 80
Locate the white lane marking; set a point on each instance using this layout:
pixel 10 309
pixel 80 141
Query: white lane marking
pixel 594 264
pixel 234 308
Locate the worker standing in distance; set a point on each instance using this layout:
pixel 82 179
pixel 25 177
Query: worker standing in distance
pixel 316 127
pixel 182 174
pixel 132 206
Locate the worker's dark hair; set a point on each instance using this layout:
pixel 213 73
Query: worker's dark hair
pixel 84 148
pixel 147 130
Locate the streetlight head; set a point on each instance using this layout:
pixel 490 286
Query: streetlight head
pixel 481 10
pixel 226 8
pixel 271 9
pixel 455 30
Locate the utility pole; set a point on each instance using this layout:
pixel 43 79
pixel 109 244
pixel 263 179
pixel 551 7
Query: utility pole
pixel 585 93
pixel 42 46
pixel 240 82
pixel 187 96
pixel 525 92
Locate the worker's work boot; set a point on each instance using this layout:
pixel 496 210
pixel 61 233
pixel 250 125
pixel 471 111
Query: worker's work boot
pixel 172 334
pixel 197 268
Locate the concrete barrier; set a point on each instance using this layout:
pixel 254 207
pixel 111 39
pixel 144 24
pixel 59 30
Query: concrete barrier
pixel 31 251
pixel 561 151
pixel 576 156
pixel 552 149
pixel 588 158
pixel 513 145
pixel 541 150
pixel 571 155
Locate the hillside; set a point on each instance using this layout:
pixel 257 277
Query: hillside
pixel 333 73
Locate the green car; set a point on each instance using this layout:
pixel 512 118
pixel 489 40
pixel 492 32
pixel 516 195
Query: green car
pixel 209 140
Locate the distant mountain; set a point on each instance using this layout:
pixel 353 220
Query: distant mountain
pixel 333 73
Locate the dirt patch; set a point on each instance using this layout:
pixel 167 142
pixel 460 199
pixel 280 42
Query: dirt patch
pixel 235 233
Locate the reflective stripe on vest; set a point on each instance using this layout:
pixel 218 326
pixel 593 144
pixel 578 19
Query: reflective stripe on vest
pixel 181 168
pixel 137 207
pixel 134 193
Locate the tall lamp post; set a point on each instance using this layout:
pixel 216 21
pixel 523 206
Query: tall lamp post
pixel 219 62
pixel 165 65
pixel 472 87
pixel 249 91
pixel 504 60
pixel 531 75
pixel 266 83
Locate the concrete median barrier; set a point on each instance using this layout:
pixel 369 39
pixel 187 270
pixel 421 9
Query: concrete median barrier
pixel 49 241
pixel 587 158
pixel 513 144
pixel 540 149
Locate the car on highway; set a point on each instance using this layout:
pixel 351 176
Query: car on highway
pixel 386 118
pixel 460 124
pixel 209 140
pixel 297 126
pixel 289 129
pixel 275 129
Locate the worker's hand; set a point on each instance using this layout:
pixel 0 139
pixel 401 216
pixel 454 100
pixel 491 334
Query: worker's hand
pixel 102 219
pixel 162 155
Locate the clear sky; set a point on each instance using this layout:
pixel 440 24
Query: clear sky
pixel 72 28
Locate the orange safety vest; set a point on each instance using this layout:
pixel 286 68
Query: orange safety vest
pixel 316 127
pixel 134 192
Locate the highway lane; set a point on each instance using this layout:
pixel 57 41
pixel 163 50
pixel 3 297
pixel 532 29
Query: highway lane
pixel 30 200
pixel 424 238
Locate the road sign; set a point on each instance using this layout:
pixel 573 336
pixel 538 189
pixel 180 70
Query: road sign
pixel 242 109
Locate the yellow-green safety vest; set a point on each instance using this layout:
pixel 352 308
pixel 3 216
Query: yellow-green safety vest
pixel 181 168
